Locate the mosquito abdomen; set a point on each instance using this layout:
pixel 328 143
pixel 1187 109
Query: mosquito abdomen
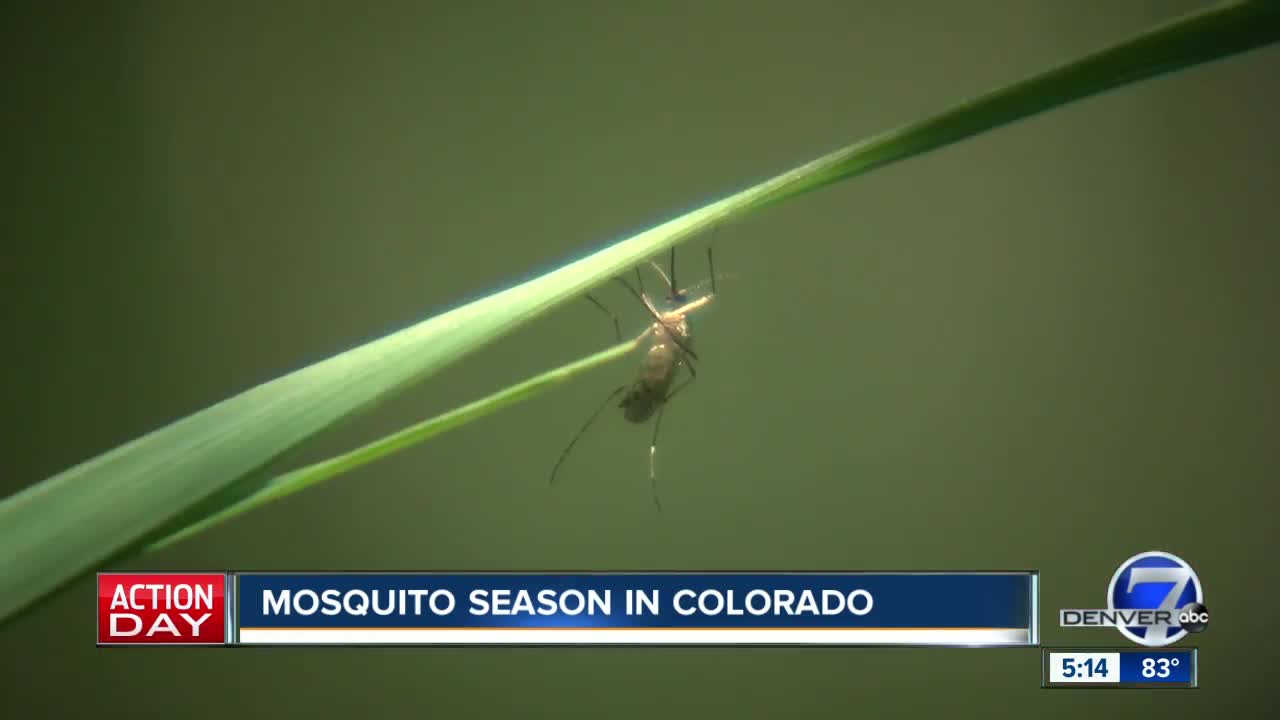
pixel 649 391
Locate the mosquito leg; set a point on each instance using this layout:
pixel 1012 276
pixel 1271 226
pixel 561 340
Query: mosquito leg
pixel 653 445
pixel 711 264
pixel 585 425
pixel 672 280
pixel 675 337
pixel 617 327
pixel 653 453
pixel 679 387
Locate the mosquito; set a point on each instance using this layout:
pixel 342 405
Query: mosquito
pixel 670 351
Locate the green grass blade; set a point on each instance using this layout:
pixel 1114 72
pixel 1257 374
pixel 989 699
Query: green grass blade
pixel 67 525
pixel 302 478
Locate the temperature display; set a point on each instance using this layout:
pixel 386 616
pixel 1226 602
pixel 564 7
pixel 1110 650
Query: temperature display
pixel 1120 667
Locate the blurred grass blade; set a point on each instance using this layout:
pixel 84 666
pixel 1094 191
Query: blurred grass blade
pixel 302 478
pixel 69 524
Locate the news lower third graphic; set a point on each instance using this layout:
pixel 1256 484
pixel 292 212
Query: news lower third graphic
pixel 958 609
pixel 1155 599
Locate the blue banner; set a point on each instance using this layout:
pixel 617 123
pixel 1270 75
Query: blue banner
pixel 1174 667
pixel 894 608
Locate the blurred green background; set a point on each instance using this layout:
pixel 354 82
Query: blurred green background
pixel 1050 347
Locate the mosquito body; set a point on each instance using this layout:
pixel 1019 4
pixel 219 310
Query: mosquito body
pixel 662 364
pixel 670 352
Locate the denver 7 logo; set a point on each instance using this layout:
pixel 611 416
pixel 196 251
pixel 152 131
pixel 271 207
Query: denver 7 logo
pixel 1155 581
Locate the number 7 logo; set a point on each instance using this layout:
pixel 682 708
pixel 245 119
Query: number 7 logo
pixel 1154 569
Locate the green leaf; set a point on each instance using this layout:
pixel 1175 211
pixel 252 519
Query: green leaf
pixel 69 524
pixel 303 478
